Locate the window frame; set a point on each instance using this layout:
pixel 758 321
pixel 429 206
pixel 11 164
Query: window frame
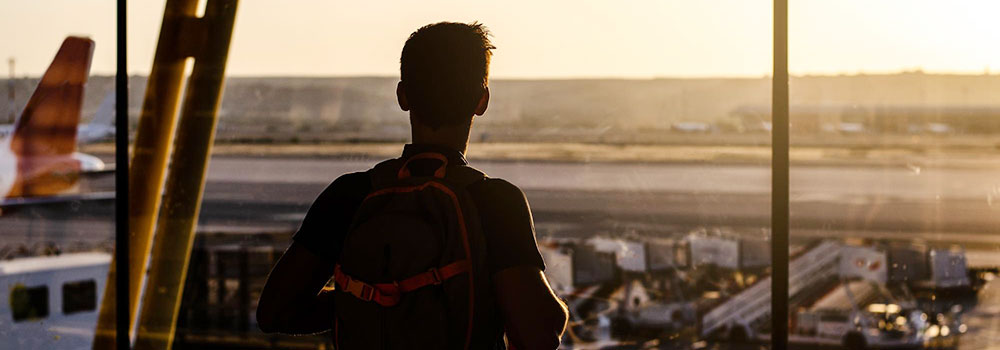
pixel 779 178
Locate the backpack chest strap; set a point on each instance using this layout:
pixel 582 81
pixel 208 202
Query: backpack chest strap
pixel 388 294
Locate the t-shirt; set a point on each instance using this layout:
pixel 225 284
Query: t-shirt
pixel 503 210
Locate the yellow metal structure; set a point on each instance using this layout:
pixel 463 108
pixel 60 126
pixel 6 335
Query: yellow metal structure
pixel 149 156
pixel 175 228
pixel 182 35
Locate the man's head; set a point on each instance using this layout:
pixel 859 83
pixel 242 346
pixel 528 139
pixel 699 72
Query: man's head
pixel 444 72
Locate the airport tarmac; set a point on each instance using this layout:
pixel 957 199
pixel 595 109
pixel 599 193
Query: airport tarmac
pixel 270 194
pixel 247 195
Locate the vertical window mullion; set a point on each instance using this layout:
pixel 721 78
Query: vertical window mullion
pixel 779 179
pixel 123 317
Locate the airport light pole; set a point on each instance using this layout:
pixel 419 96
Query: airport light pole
pixel 11 104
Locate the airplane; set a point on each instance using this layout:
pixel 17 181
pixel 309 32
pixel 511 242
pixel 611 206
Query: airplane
pixel 691 127
pixel 101 126
pixel 39 162
pixel 851 128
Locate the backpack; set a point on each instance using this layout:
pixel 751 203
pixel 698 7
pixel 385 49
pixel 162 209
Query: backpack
pixel 412 271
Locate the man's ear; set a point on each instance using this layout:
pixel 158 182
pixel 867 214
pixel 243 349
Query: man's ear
pixel 401 97
pixel 484 102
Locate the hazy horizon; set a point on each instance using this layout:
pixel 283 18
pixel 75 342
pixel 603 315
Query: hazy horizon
pixel 551 40
pixel 396 76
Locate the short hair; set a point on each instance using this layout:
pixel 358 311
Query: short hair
pixel 444 69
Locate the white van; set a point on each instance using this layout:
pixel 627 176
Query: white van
pixel 51 302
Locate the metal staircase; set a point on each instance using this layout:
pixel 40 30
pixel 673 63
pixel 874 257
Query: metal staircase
pixel 806 272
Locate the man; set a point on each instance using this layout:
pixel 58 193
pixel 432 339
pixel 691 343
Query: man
pixel 444 85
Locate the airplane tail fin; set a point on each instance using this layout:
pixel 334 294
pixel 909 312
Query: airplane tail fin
pixel 48 125
pixel 101 126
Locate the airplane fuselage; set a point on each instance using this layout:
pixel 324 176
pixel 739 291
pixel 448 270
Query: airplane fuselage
pixel 40 176
pixel 86 133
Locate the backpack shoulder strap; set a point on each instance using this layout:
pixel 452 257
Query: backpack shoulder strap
pixel 392 171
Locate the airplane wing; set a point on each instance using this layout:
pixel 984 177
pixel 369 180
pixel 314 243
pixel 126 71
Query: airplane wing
pixel 98 173
pixel 14 203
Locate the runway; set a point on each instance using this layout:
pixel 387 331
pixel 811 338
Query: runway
pixel 808 183
pixel 932 202
pixel 267 194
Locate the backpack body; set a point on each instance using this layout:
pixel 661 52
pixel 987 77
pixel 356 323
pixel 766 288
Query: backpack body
pixel 412 271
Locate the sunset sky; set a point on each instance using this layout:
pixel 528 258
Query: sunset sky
pixel 544 39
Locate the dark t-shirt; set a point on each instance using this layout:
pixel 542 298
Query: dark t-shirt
pixel 503 211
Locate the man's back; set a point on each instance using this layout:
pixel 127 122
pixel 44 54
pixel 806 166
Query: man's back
pixel 379 246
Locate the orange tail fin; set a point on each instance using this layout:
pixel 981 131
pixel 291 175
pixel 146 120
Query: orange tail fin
pixel 44 138
pixel 48 125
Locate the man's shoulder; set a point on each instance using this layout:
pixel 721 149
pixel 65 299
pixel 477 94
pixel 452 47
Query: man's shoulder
pixel 496 184
pixel 495 189
pixel 489 189
pixel 352 179
pixel 348 185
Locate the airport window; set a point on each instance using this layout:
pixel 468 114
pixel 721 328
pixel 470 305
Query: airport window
pixel 29 303
pixel 79 296
pixel 639 133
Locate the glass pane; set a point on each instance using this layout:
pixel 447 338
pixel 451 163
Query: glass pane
pixel 79 296
pixel 893 178
pixel 650 196
pixel 56 171
pixel 29 303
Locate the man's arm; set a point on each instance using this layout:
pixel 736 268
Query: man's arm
pixel 534 317
pixel 292 302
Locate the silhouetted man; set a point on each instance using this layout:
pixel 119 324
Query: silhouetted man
pixel 425 251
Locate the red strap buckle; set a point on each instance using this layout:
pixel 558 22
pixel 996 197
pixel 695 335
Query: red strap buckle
pixel 360 290
pixel 367 292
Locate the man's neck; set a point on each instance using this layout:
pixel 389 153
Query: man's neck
pixel 455 137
